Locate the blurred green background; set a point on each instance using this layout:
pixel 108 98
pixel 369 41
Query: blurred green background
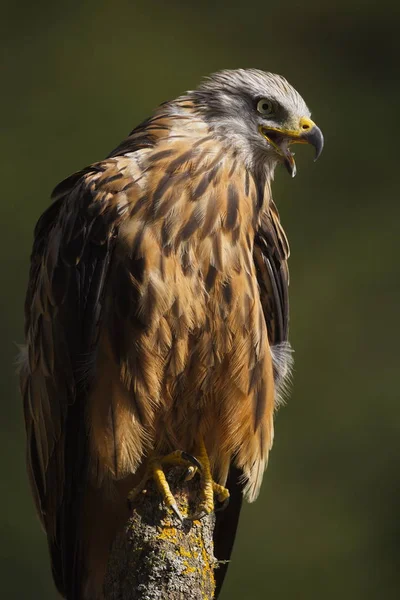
pixel 78 76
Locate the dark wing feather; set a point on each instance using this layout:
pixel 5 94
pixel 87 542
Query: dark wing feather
pixel 271 251
pixel 72 248
pixel 226 523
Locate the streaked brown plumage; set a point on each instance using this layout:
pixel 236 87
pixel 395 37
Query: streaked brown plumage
pixel 158 287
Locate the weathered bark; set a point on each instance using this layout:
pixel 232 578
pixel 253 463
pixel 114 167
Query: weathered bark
pixel 156 557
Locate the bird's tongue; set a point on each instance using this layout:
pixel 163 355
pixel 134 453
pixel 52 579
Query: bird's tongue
pixel 282 146
pixel 289 163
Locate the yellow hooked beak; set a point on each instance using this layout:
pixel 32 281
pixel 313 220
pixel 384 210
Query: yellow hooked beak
pixel 280 139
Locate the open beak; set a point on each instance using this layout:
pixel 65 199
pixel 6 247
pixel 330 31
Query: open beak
pixel 281 139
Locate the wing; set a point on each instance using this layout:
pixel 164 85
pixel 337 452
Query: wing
pixel 226 523
pixel 73 245
pixel 271 252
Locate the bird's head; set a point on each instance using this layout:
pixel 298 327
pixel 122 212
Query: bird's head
pixel 258 113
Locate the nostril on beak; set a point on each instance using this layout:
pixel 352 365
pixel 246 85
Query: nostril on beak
pixel 306 124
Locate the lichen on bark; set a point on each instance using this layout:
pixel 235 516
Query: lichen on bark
pixel 155 556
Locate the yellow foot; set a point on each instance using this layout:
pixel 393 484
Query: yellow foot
pixel 209 487
pixel 155 470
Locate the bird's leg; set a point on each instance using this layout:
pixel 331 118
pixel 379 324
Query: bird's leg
pixel 201 464
pixel 209 486
pixel 155 471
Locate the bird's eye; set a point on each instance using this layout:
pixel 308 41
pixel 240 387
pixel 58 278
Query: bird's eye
pixel 265 107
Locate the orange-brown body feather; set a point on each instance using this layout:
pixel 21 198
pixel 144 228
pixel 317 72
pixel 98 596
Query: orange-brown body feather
pixel 182 348
pixel 191 339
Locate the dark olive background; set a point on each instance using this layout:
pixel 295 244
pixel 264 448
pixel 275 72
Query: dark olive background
pixel 78 76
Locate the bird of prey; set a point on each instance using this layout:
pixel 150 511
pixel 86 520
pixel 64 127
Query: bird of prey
pixel 157 318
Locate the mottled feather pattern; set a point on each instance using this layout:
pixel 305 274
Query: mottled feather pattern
pixel 156 313
pixel 189 238
pixel 72 248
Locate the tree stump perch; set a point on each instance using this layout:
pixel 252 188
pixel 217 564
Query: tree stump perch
pixel 155 556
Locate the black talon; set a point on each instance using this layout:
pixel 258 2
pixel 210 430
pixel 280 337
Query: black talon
pixel 223 506
pixel 192 459
pixel 197 516
pixel 176 511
